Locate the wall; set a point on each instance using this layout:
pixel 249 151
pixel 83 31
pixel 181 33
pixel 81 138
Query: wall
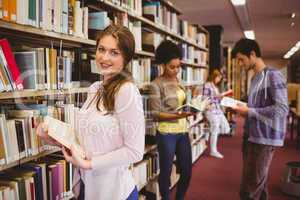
pixel 280 64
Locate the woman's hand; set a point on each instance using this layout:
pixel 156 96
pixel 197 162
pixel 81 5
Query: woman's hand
pixel 186 114
pixel 227 93
pixel 42 131
pixel 73 156
pixel 241 109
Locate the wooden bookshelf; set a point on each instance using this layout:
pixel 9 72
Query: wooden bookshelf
pixel 171 6
pixel 28 159
pixel 35 93
pixel 145 53
pixel 147 22
pixel 16 29
pixel 193 65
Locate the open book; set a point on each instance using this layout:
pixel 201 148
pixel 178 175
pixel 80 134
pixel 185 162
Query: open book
pixel 196 105
pixel 63 133
pixel 230 102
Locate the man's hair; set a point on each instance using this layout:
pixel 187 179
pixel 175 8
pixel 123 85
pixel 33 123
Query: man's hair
pixel 245 46
pixel 166 51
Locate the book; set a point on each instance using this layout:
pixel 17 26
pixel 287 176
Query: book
pixel 12 65
pixel 197 104
pixel 63 133
pixel 230 102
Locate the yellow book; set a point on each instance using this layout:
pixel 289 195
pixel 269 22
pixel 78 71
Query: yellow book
pixel 53 67
pixel 5 9
pixel 12 10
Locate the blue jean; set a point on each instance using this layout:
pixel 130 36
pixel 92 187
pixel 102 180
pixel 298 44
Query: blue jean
pixel 134 195
pixel 168 145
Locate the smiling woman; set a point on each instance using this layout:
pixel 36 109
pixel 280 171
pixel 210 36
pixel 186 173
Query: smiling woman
pixel 111 131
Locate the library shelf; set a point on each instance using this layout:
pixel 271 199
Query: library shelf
pixel 33 32
pixel 28 159
pixel 35 93
pixel 144 53
pixel 159 27
pixel 194 64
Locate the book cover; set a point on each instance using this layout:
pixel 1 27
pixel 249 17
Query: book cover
pixel 13 67
pixel 28 67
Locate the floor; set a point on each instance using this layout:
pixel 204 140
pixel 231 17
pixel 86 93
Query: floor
pixel 219 179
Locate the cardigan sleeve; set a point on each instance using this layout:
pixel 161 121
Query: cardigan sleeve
pixel 130 114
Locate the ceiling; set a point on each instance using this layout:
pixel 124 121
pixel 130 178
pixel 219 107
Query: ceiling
pixel 270 20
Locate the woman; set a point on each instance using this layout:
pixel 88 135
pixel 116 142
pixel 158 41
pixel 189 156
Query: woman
pixel 172 133
pixel 217 120
pixel 110 125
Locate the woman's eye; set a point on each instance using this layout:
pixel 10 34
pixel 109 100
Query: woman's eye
pixel 114 53
pixel 101 49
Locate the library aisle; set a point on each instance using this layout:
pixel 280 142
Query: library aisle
pixel 219 179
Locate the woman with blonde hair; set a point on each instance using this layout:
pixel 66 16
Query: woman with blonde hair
pixel 110 124
pixel 214 114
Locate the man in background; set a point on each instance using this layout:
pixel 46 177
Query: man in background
pixel 265 124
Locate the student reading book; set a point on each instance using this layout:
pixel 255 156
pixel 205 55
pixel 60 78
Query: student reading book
pixel 166 96
pixel 217 120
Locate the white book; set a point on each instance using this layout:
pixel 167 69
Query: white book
pixel 230 102
pixel 63 133
pixel 21 12
pixel 196 105
pixel 78 19
pixel 85 21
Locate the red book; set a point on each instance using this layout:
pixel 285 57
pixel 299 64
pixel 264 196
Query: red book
pixel 11 62
pixel 32 190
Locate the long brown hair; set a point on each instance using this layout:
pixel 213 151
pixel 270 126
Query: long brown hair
pixel 126 44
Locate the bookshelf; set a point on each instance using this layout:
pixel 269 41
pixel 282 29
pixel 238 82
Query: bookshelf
pixel 28 159
pixel 39 37
pixel 36 93
pixel 194 65
pixel 146 22
pixel 13 29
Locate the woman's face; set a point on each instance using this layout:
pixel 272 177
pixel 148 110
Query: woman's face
pixel 172 68
pixel 109 58
pixel 218 79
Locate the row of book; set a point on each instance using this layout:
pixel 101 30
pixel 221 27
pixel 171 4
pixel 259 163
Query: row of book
pixel 151 191
pixel 143 72
pixel 18 136
pixel 192 75
pixel 140 70
pixel 34 68
pixel 133 6
pixel 146 169
pixel 154 11
pixel 161 14
pixel 192 55
pixel 61 16
pixel 47 179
